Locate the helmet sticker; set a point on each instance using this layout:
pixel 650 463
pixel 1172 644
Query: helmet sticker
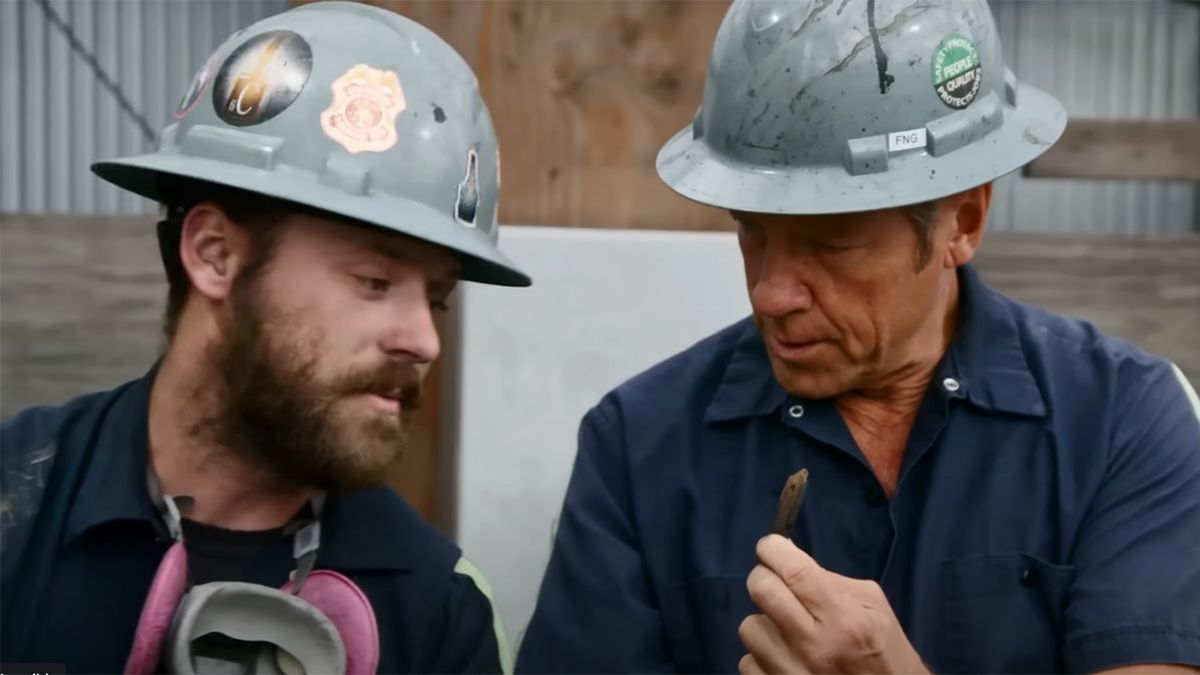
pixel 467 201
pixel 196 88
pixel 362 115
pixel 262 77
pixel 957 71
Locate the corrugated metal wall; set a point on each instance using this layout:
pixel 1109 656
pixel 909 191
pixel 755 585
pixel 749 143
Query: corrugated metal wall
pixel 1103 58
pixel 56 116
pixel 1106 59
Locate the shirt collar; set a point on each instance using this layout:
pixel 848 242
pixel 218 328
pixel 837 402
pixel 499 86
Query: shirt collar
pixel 748 387
pixel 989 354
pixel 114 488
pixel 351 537
pixel 986 357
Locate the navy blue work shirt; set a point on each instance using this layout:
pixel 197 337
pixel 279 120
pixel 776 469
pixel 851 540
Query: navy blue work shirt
pixel 80 542
pixel 1047 516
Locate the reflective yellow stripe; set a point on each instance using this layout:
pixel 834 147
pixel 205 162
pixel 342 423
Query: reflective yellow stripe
pixel 466 567
pixel 1187 389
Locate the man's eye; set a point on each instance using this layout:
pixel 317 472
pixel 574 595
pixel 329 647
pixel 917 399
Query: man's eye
pixel 439 305
pixel 839 246
pixel 375 285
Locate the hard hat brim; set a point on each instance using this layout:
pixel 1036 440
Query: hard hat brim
pixel 691 168
pixel 481 261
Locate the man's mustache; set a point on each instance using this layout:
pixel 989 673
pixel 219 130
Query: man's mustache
pixel 400 382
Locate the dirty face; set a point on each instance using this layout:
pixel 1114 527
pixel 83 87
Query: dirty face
pixel 843 301
pixel 329 336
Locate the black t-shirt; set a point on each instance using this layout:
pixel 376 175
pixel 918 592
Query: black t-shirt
pixel 217 554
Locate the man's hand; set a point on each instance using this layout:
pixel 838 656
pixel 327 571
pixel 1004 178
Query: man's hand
pixel 815 621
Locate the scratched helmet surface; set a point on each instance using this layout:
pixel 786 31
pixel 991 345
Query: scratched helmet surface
pixel 347 108
pixel 830 106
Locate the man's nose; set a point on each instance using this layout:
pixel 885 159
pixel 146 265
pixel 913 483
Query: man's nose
pixel 779 288
pixel 412 329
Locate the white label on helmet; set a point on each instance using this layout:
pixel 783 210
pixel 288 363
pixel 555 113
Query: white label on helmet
pixel 906 140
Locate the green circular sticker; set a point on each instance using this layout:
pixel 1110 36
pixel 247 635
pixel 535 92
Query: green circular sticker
pixel 957 73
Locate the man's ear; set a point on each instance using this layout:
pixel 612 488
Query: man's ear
pixel 968 212
pixel 211 248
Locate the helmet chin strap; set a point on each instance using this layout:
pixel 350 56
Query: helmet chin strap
pixel 305 532
pixel 306 542
pixel 170 232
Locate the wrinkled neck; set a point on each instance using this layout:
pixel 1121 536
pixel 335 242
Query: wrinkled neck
pixel 880 416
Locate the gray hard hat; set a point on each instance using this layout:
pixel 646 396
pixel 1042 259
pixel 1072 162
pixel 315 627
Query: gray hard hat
pixel 346 108
pixel 832 106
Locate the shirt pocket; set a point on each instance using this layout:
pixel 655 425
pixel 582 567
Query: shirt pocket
pixel 701 618
pixel 1003 613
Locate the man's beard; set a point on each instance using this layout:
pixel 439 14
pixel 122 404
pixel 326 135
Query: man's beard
pixel 276 414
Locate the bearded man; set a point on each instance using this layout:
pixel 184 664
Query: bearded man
pixel 311 235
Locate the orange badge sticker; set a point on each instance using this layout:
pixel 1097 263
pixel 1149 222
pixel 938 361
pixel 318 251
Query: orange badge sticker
pixel 362 116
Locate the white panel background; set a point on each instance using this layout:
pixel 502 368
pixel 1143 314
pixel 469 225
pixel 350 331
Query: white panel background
pixel 615 302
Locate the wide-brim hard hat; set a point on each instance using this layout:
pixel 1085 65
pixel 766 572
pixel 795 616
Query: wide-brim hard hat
pixel 349 109
pixel 856 105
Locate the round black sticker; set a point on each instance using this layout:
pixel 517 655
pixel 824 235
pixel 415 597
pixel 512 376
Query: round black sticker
pixel 262 77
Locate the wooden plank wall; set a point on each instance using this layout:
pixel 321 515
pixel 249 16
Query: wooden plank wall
pixel 1124 149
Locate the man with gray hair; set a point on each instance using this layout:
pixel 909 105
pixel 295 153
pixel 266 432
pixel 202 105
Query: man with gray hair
pixel 986 487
